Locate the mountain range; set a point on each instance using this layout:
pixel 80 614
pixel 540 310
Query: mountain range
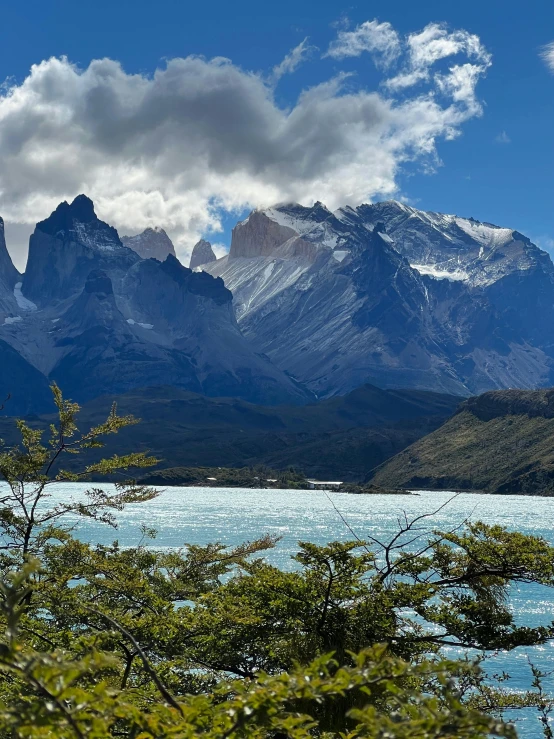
pixel 392 295
pixel 307 304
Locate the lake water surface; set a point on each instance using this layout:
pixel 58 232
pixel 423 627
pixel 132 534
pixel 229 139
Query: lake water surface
pixel 203 515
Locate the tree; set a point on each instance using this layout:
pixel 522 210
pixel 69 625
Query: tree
pixel 62 695
pixel 27 522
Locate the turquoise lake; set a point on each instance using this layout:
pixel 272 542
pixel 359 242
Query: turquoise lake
pixel 202 515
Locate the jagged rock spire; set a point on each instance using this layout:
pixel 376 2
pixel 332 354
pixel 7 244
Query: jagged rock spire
pixel 66 247
pixel 202 254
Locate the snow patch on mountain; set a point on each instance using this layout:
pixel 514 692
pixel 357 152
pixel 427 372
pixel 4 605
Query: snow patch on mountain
pixel 254 282
pixel 339 255
pixel 132 322
pixel 440 274
pixel 12 319
pixel 301 221
pixel 23 302
pixel 291 220
pixel 484 233
pixel 94 238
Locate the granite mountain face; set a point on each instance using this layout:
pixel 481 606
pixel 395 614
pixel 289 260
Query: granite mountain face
pixel 391 295
pixel 66 247
pixel 202 253
pixel 9 276
pixel 152 243
pixel 94 316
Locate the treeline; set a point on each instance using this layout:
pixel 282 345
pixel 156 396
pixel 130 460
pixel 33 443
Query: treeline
pixel 369 489
pixel 241 477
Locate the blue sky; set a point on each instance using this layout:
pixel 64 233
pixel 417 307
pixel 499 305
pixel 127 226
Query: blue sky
pixel 499 168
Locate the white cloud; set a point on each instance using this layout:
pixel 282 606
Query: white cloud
pixel 220 250
pixel 503 138
pixel 434 43
pixel 548 55
pixel 202 137
pixel 379 39
pixel 292 60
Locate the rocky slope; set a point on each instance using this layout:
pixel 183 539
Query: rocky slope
pixel 95 317
pixel 499 442
pixel 202 253
pixel 391 295
pixel 152 243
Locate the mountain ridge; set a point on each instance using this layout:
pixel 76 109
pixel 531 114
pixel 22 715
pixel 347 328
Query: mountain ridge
pixel 363 294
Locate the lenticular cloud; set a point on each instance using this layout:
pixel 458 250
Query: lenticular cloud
pixel 200 137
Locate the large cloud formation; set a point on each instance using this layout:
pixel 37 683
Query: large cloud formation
pixel 200 137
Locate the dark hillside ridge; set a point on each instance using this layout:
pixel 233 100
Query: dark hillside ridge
pixel 533 403
pixel 23 389
pixel 341 438
pixel 499 442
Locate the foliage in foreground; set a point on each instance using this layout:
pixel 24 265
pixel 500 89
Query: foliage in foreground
pixel 209 641
pixel 63 694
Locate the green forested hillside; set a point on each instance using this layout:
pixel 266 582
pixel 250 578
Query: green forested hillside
pixel 499 442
